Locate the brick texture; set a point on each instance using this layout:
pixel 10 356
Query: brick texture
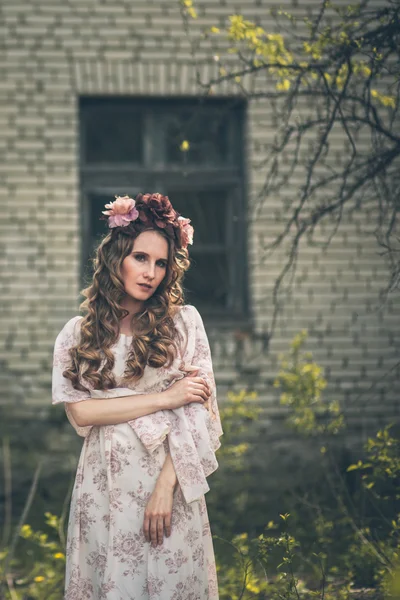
pixel 55 51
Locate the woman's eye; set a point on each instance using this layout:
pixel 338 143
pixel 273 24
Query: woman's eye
pixel 139 257
pixel 162 264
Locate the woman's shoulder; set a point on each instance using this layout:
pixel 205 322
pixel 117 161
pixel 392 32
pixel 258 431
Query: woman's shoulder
pixel 71 329
pixel 188 315
pixel 185 310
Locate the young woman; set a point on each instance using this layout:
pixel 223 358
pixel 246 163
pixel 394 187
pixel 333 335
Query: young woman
pixel 136 379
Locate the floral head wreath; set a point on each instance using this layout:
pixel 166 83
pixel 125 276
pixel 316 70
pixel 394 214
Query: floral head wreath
pixel 152 210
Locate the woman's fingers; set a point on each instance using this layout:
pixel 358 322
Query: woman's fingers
pixel 199 388
pixel 199 383
pixel 153 531
pixel 146 525
pixel 167 525
pixel 200 393
pixel 199 380
pixel 160 530
pixel 155 527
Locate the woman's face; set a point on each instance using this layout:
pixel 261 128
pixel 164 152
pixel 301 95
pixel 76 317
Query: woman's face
pixel 146 266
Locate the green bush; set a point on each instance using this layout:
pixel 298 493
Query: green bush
pixel 38 571
pixel 342 539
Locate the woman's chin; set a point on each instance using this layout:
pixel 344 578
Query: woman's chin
pixel 140 295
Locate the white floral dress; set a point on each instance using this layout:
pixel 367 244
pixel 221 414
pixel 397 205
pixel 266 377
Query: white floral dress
pixel 108 557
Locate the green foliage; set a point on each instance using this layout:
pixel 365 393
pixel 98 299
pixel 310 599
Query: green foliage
pixel 302 382
pixel 241 575
pixel 237 413
pixel 371 545
pixel 262 45
pixel 380 475
pixel 381 472
pixel 332 55
pixel 330 551
pixel 38 572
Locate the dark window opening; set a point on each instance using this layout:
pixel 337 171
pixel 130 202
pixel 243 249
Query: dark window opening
pixel 190 149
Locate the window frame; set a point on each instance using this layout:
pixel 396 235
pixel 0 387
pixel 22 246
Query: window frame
pixel 123 178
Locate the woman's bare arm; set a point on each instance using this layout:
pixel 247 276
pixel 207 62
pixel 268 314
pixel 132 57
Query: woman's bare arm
pixel 112 411
pixel 167 476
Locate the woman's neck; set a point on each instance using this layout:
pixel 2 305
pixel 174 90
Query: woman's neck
pixel 134 307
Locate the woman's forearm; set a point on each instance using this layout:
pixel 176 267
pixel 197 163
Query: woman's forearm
pixel 112 411
pixel 167 476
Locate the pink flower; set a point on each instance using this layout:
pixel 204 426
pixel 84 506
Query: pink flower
pixel 121 212
pixel 187 231
pixel 158 207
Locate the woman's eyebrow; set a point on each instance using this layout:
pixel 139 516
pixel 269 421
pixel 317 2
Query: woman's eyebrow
pixel 145 254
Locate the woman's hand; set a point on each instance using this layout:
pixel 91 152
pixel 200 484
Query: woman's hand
pixel 157 516
pixel 189 389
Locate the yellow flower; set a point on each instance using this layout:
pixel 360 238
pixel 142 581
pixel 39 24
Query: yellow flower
pixel 215 30
pixel 39 579
pixel 283 85
pixel 253 586
pixel 366 71
pixel 59 555
pixel 385 100
pixel 190 10
pixel 184 147
pixel 26 531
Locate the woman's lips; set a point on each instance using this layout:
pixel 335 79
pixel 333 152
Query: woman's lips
pixel 145 286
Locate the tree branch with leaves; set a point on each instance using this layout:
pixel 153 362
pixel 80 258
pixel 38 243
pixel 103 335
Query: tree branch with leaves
pixel 335 74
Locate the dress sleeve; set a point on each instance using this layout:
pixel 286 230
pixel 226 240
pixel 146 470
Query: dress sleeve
pixel 62 390
pixel 195 431
pixel 197 356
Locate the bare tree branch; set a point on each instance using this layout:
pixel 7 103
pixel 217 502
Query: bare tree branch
pixel 347 70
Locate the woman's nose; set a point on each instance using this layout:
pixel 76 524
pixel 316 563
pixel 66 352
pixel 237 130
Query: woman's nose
pixel 150 272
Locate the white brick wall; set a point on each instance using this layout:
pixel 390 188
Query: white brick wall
pixel 55 51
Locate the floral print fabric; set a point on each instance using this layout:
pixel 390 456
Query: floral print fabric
pixel 108 557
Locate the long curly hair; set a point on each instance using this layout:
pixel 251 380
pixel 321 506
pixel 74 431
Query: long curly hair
pixel 92 359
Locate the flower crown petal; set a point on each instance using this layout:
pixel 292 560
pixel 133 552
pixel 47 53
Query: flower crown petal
pixel 150 208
